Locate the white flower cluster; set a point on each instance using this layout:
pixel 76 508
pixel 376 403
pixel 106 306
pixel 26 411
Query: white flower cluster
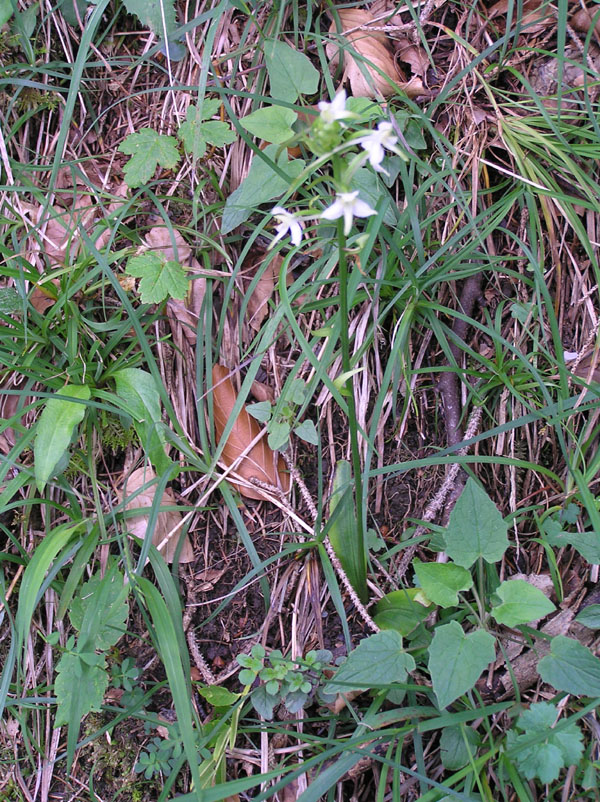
pixel 347 205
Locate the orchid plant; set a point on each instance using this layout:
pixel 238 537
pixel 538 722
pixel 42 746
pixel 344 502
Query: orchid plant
pixel 330 138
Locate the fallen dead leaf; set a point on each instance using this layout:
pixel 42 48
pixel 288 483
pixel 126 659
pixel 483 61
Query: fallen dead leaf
pixel 414 56
pixel 536 16
pixel 374 70
pixel 258 303
pixel 262 391
pixel 260 462
pixel 208 578
pixel 167 531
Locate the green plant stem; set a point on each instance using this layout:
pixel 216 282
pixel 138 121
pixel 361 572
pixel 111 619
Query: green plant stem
pixel 348 386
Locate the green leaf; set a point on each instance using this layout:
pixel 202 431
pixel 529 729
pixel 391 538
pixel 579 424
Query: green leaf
pixel 551 751
pixel 261 411
pixel 160 278
pixel 377 660
pixel 6 10
pixel 218 697
pixel 456 660
pixel 195 132
pixel 401 610
pixel 458 746
pixel 291 73
pixel 344 533
pixel 590 616
pixel 264 702
pixel 279 432
pixel 441 582
pixel 55 430
pixel 147 150
pixel 521 603
pixel 138 389
pixel 272 123
pixel 100 611
pixel 475 529
pixel 79 689
pixel 571 667
pixel 10 301
pixel 586 543
pixel 262 184
pixel 307 431
pixel 158 15
pixel 35 572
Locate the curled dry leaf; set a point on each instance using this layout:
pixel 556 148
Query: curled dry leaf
pixel 167 531
pixel 258 303
pixel 375 72
pixel 536 15
pixel 260 462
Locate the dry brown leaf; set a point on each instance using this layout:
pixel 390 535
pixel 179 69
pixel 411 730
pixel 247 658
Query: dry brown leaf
pixel 260 462
pixel 41 299
pixel 208 578
pixel 415 56
pixel 262 391
pixel 258 303
pixel 167 531
pixel 536 15
pixel 373 48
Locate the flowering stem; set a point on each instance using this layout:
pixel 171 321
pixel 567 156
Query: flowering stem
pixel 346 367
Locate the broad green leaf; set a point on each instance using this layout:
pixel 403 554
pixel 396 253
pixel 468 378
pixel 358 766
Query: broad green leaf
pixel 100 611
pixel 590 616
pixel 272 123
pixel 442 582
pixel 291 73
pixel 456 660
pixel 262 184
pixel 158 15
pixel 198 130
pixel 344 532
pixel 147 150
pixel 553 750
pixel 279 433
pixel 160 278
pixel 307 431
pixel 137 388
pixel 570 667
pixel 79 689
pixel 10 301
pixel 218 697
pixel 6 10
pixel 377 660
pixel 261 410
pixel 401 610
pixel 475 529
pixel 521 603
pixel 55 430
pixel 586 543
pixel 458 746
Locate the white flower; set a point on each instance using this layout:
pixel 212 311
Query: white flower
pixel 376 143
pixel 336 110
pixel 347 205
pixel 287 222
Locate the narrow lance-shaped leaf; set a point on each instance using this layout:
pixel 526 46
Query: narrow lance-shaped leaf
pixel 344 532
pixel 55 429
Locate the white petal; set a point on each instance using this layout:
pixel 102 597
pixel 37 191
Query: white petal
pixel 295 232
pixel 334 211
pixel 362 209
pixel 347 219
